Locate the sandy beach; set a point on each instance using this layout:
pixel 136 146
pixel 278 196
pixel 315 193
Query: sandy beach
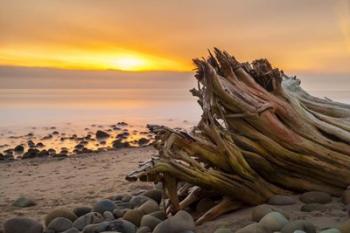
pixel 73 181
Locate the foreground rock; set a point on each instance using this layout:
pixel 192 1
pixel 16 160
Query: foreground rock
pixel 302 225
pixel 24 202
pixel 315 197
pixel 22 225
pixel 104 205
pixel 60 212
pixel 180 222
pixel 60 224
pixel 273 221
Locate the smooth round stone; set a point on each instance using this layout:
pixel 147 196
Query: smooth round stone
pixel 252 228
pixel 149 207
pixel 60 212
pixel 122 226
pixel 72 230
pixel 316 197
pixel 345 227
pixel 346 197
pixel 89 218
pixel 260 211
pixel 108 216
pixel 118 213
pixel 181 221
pixel 313 207
pixel 150 221
pixel 144 229
pixel 273 221
pixel 81 210
pixel 94 228
pixel 331 230
pixel 281 200
pixel 22 225
pixel 223 230
pixel 104 205
pixel 299 225
pixel 60 224
pixel 134 216
pixel 154 194
pixel 24 202
pixel 158 214
pixel 136 201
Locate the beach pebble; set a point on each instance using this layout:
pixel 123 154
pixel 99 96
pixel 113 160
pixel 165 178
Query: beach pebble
pixel 60 212
pixel 260 211
pixel 316 197
pixel 134 216
pixel 331 230
pixel 89 218
pixel 252 228
pixel 136 201
pixel 22 225
pixel 154 194
pixel 104 205
pixel 150 221
pixel 96 228
pixel 101 134
pixel 149 207
pixel 19 149
pixel 159 214
pixel 60 224
pixel 31 153
pixel 24 202
pixel 223 230
pixel 72 230
pixel 180 222
pixel 108 216
pixel 117 144
pixel 81 210
pixel 346 197
pixel 143 229
pixel 299 225
pixel 281 200
pixel 118 213
pixel 313 207
pixel 345 227
pixel 122 226
pixel 273 221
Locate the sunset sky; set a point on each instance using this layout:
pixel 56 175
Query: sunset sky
pixel 297 35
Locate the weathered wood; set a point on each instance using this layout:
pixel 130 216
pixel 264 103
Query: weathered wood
pixel 260 134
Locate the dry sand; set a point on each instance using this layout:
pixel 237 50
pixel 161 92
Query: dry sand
pixel 83 179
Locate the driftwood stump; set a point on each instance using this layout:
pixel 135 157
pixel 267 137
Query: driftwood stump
pixel 260 134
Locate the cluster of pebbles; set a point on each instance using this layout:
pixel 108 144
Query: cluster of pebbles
pixel 120 135
pixel 142 213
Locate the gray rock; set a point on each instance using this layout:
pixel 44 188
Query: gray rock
pixel 143 229
pixel 149 207
pixel 313 207
pixel 22 225
pixel 104 205
pixel 108 216
pixel 316 197
pixel 299 225
pixel 24 202
pixel 154 194
pixel 273 221
pixel 260 211
pixel 281 200
pixel 252 228
pixel 60 224
pixel 150 221
pixel 331 230
pixel 60 212
pixel 81 210
pixel 122 226
pixel 87 219
pixel 181 221
pixel 134 216
pixel 72 230
pixel 136 201
pixel 223 230
pixel 96 228
pixel 118 213
pixel 159 214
